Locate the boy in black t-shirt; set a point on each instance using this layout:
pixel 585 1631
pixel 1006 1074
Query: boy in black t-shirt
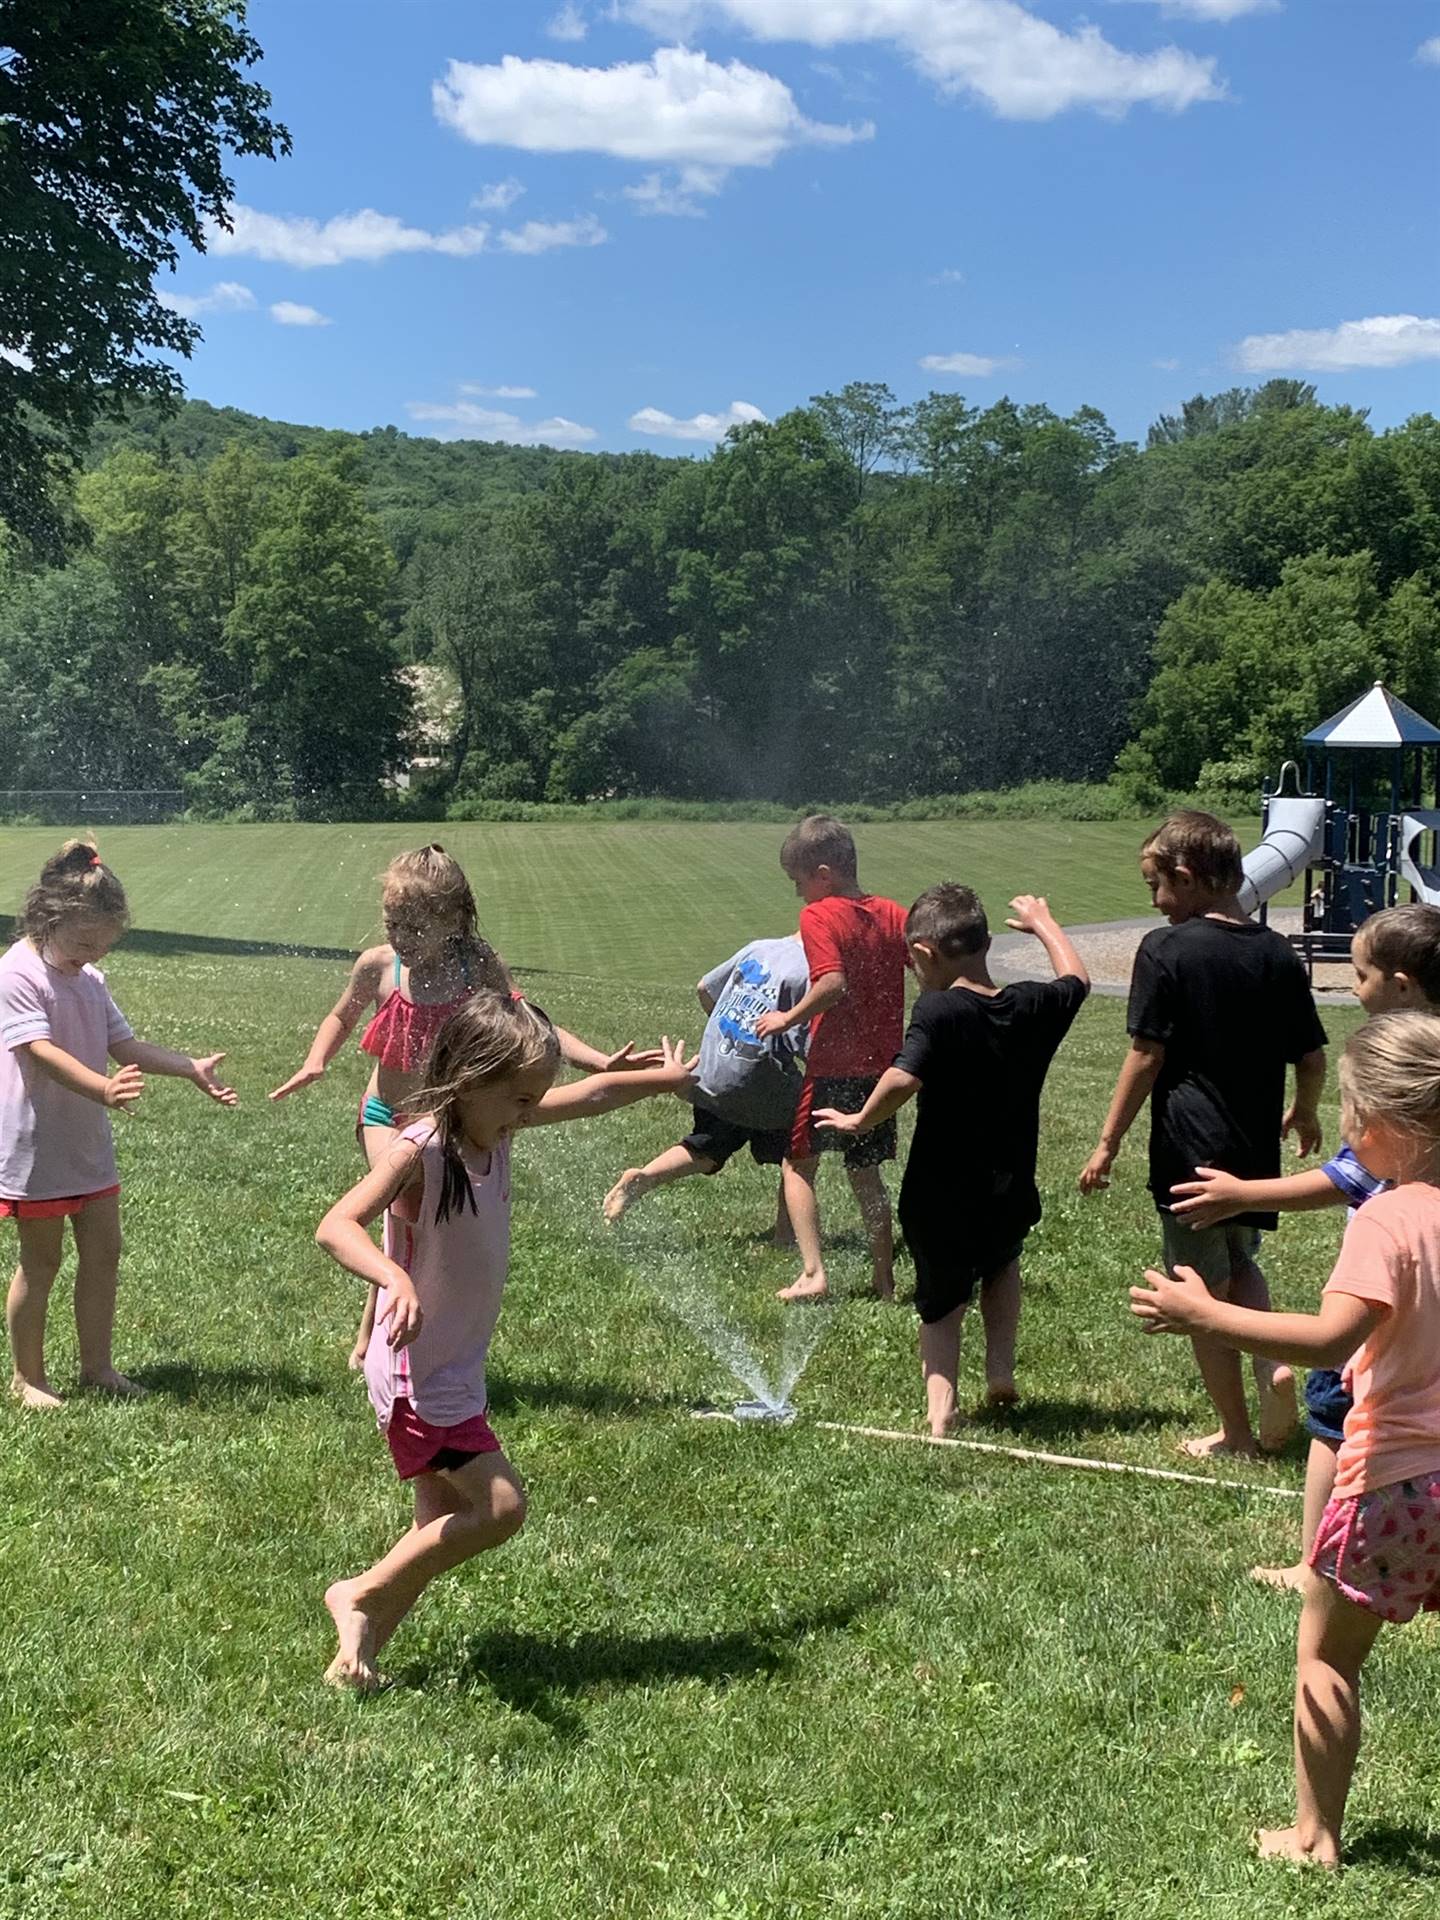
pixel 977 1055
pixel 1219 1007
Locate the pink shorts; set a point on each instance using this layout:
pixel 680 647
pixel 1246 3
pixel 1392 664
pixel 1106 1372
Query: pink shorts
pixel 1382 1549
pixel 53 1209
pixel 417 1446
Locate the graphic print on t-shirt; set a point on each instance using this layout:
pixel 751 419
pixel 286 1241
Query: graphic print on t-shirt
pixel 749 1081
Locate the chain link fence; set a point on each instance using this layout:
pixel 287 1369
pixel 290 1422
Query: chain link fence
pixel 90 806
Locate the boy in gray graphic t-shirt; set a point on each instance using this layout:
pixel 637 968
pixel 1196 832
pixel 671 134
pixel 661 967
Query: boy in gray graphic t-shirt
pixel 746 1088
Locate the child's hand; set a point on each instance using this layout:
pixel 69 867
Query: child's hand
pixel 401 1307
pixel 306 1077
pixel 1304 1123
pixel 1095 1174
pixel 846 1123
pixel 1027 911
pixel 203 1075
pixel 769 1024
pixel 124 1088
pixel 628 1061
pixel 1177 1304
pixel 1212 1196
pixel 676 1074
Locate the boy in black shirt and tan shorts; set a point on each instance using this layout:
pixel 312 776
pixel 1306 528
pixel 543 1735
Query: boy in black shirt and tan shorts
pixel 1219 1008
pixel 977 1055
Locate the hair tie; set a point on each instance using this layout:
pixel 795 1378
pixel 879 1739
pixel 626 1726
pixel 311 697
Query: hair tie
pixel 96 861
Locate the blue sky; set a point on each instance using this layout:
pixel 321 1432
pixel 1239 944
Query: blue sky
pixel 621 223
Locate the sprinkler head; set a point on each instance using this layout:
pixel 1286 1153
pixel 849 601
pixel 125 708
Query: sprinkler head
pixel 761 1410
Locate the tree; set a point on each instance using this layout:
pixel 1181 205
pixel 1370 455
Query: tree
pixel 865 424
pixel 1209 413
pixel 115 119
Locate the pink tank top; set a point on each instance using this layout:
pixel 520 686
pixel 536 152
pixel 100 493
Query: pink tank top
pixel 403 1030
pixel 457 1266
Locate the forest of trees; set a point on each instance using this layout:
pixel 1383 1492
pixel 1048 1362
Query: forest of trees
pixel 856 602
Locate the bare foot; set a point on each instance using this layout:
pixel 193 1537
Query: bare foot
pixel 38 1395
pixel 112 1382
pixel 630 1187
pixel 1291 1577
pixel 1284 1843
pixel 883 1289
pixel 942 1428
pixel 1209 1446
pixel 1279 1416
pixel 354 1662
pixel 1001 1393
pixel 810 1286
pixel 356 1362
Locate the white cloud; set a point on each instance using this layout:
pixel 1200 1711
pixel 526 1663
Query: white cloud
pixel 1020 65
pixel 463 420
pixel 540 236
pixel 1166 366
pixel 498 197
pixel 948 277
pixel 290 313
pixel 499 393
pixel 1428 52
pixel 678 197
pixel 1384 340
pixel 297 241
pixel 568 24
pixel 226 296
pixel 1222 11
pixel 702 426
pixel 978 365
pixel 678 108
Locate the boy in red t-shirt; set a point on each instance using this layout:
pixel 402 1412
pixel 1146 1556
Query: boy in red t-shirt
pixel 855 946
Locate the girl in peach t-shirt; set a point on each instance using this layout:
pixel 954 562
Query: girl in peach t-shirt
pixel 1376 1555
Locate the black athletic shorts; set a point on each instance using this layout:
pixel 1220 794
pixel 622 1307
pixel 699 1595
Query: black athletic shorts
pixel 846 1093
pixel 947 1271
pixel 720 1140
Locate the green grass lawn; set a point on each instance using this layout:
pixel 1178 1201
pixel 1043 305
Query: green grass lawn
pixel 722 1673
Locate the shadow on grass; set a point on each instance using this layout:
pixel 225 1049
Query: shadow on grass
pixel 512 1391
pixel 186 1383
pixel 1069 1420
pixel 541 1675
pixel 1412 1849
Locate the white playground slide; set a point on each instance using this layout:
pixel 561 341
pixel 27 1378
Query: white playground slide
pixel 1294 837
pixel 1425 880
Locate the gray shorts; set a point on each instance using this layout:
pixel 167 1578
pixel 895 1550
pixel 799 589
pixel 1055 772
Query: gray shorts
pixel 1216 1253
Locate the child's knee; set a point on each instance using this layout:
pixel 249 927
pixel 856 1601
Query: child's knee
pixel 509 1506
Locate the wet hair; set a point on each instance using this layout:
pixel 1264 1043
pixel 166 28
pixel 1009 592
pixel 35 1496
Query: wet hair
pixel 434 881
pixel 492 1037
pixel 1203 845
pixel 1390 1073
pixel 73 881
pixel 1406 940
pixel 949 918
pixel 819 841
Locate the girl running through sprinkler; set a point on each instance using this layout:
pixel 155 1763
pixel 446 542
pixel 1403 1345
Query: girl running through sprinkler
pixel 444 1187
pixel 1376 1552
pixel 59 1032
pixel 433 959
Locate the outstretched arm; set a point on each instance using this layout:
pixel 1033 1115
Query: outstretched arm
pixel 1185 1304
pixel 576 1052
pixel 120 1090
pixel 1030 914
pixel 892 1090
pixel 826 992
pixel 342 1233
pixel 175 1066
pixel 602 1092
pixel 1213 1195
pixel 1134 1087
pixel 362 988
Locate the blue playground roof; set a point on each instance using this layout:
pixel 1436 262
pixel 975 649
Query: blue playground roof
pixel 1376 719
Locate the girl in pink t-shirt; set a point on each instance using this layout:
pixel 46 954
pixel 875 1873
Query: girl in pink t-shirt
pixel 59 1031
pixel 433 959
pixel 444 1189
pixel 1376 1555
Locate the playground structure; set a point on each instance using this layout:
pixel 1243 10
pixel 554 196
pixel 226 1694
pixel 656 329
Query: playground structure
pixel 1359 829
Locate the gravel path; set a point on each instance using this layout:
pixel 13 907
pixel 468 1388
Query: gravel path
pixel 1108 950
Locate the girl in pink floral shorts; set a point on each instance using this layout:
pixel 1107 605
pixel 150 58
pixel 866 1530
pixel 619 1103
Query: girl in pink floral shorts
pixel 1376 1555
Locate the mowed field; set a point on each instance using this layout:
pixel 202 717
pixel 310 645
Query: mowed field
pixel 722 1673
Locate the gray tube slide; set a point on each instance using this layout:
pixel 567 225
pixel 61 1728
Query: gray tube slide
pixel 1293 838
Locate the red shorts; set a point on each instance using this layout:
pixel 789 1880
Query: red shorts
pixel 417 1446
pixel 52 1209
